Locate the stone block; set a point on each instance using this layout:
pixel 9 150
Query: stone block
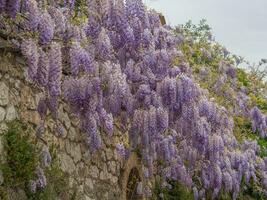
pixel 4 94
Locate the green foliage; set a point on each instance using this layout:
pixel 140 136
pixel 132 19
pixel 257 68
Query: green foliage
pixel 176 192
pixel 250 82
pixel 248 192
pixel 200 32
pixel 242 78
pixel 21 156
pixel 251 192
pixel 259 101
pixel 263 144
pixel 194 54
pixel 224 196
pixel 180 192
pixel 81 11
pixel 198 38
pixel 243 131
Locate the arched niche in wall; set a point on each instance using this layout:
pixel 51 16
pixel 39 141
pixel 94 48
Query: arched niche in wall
pixel 131 175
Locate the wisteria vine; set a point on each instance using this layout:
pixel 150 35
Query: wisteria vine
pixel 119 64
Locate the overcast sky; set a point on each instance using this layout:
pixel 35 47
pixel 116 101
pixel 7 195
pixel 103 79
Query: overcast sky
pixel 239 25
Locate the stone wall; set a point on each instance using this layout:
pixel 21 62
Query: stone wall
pixel 100 176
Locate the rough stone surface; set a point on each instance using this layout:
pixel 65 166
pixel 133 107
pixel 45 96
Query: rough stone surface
pixel 82 171
pixel 109 154
pixel 112 167
pixel 17 84
pixel 72 134
pixel 64 118
pixel 113 179
pixel 88 198
pixel 104 174
pixel 67 163
pixel 11 113
pixel 30 116
pixel 71 182
pixel 94 172
pixel 27 98
pixel 3 128
pixel 76 152
pixel 4 94
pixel 67 147
pixel 89 184
pixel 2 114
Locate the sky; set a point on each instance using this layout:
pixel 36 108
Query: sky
pixel 239 25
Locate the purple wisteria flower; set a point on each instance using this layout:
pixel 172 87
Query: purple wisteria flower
pixel 29 50
pixel 121 150
pixel 46 28
pixel 46 158
pixel 115 66
pixel 12 7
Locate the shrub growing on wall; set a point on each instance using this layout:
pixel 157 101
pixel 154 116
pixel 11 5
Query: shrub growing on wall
pixel 22 163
